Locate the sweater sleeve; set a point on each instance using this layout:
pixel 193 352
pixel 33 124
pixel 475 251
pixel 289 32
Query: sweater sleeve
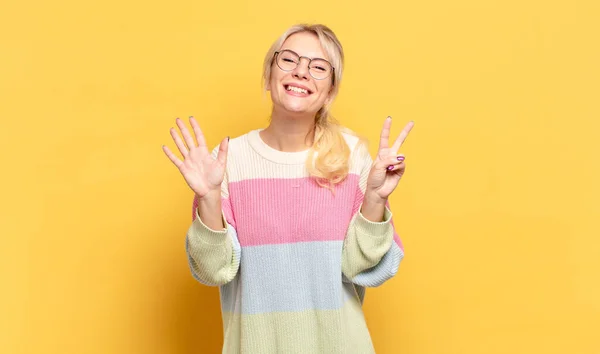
pixel 213 255
pixel 372 250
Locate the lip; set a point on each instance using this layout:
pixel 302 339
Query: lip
pixel 296 85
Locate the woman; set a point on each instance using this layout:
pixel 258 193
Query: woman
pixel 291 221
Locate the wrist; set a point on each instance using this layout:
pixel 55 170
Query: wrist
pixel 210 197
pixel 210 212
pixel 373 208
pixel 373 199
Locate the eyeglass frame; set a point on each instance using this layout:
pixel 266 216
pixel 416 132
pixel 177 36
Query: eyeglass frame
pixel 309 61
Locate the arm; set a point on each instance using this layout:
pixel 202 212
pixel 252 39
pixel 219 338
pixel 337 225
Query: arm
pixel 372 251
pixel 212 245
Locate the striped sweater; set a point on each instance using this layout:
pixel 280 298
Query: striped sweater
pixel 294 259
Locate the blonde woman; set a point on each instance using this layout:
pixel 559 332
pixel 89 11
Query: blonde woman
pixel 291 221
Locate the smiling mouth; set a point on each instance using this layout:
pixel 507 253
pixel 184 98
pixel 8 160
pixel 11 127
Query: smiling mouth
pixel 294 89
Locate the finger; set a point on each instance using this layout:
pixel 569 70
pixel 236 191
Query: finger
pixel 398 166
pixel 393 160
pixel 172 157
pixel 198 132
pixel 400 140
pixel 222 154
pixel 180 145
pixel 385 133
pixel 189 141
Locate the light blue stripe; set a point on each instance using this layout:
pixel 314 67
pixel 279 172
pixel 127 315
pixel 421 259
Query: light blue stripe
pixel 287 277
pixel 300 276
pixel 384 270
pixel 352 291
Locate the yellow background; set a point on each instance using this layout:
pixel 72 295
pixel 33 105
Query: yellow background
pixel 498 212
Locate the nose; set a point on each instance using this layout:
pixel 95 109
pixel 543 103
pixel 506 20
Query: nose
pixel 301 71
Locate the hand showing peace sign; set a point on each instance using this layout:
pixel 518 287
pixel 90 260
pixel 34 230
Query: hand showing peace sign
pixel 202 173
pixel 389 166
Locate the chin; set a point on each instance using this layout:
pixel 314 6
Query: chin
pixel 297 107
pixel 299 110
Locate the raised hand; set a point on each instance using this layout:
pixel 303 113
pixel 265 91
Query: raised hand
pixel 389 166
pixel 200 170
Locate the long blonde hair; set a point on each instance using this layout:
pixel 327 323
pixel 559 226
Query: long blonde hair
pixel 329 155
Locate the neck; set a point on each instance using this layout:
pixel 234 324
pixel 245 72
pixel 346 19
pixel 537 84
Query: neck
pixel 289 132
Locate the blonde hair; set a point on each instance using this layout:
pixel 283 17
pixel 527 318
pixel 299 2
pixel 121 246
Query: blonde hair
pixel 328 158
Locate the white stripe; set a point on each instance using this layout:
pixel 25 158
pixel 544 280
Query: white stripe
pixel 244 161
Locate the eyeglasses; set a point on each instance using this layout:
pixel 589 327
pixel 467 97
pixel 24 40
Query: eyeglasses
pixel 319 69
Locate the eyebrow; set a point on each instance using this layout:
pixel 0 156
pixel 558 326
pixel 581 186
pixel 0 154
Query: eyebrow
pixel 302 55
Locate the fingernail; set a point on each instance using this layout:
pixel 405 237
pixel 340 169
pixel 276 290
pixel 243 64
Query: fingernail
pixel 390 167
pixel 191 117
pixel 389 117
pixel 400 158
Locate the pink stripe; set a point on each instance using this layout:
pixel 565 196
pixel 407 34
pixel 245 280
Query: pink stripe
pixel 275 211
pixel 397 237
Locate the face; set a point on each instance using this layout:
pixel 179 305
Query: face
pixel 296 90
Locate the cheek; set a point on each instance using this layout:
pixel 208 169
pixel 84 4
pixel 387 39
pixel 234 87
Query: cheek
pixel 271 83
pixel 324 90
pixel 324 85
pixel 274 80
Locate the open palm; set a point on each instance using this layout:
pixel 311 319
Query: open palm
pixel 201 171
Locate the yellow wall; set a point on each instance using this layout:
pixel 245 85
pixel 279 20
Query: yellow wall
pixel 498 210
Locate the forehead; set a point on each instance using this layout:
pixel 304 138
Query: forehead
pixel 305 44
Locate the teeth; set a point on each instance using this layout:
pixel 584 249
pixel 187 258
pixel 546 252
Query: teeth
pixel 296 89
